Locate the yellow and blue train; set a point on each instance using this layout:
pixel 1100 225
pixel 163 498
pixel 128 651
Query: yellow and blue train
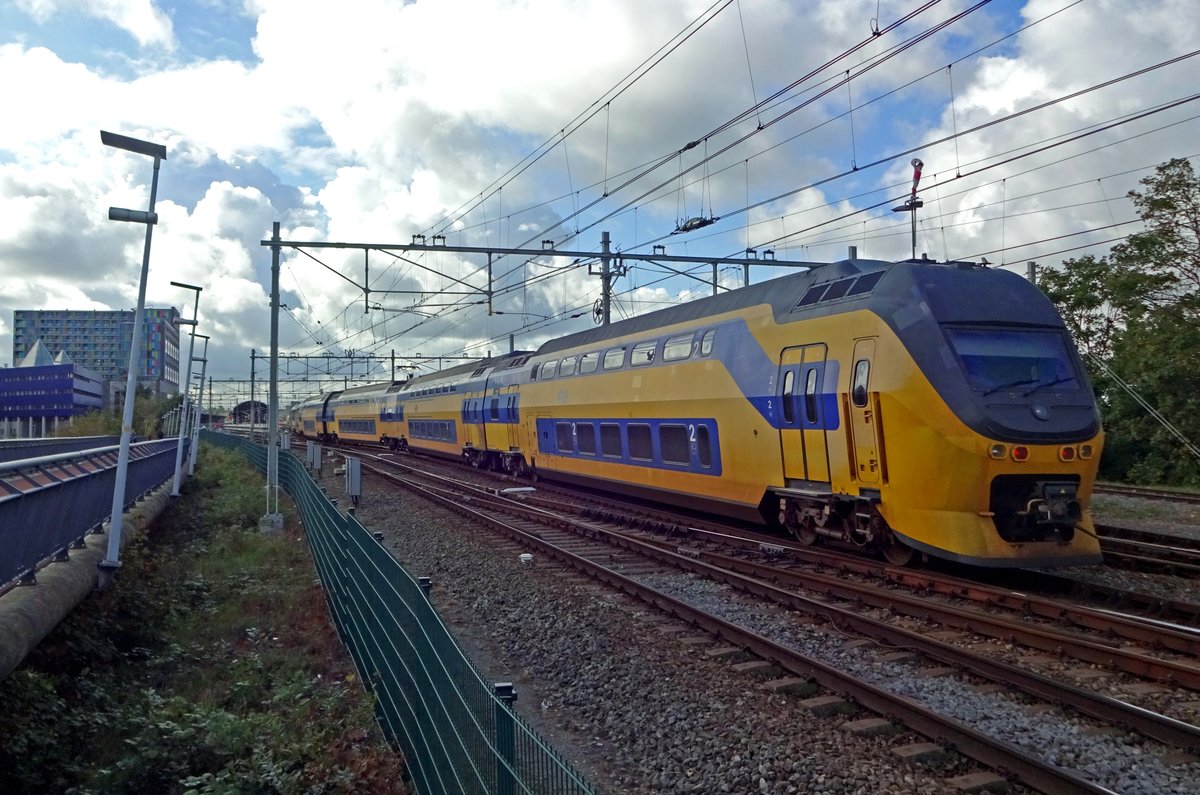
pixel 902 408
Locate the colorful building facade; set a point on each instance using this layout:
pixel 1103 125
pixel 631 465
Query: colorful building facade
pixel 100 341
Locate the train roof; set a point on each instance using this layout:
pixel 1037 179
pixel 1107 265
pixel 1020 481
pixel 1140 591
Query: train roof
pixel 467 368
pixel 778 292
pixel 951 292
pixel 379 386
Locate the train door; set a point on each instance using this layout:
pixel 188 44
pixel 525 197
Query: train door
pixel 803 414
pixel 512 423
pixel 861 416
pixel 534 426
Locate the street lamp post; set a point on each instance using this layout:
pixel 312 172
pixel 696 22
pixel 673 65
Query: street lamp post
pixel 112 562
pixel 187 383
pixel 199 408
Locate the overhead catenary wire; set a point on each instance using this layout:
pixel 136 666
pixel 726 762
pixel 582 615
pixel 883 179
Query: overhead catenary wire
pixel 616 90
pixel 635 211
pixel 778 94
pixel 648 163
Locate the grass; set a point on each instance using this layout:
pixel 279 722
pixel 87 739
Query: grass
pixel 210 666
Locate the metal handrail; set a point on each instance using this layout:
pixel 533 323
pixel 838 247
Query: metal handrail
pixel 27 463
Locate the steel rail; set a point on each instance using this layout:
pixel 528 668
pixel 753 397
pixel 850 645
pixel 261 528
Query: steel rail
pixel 981 623
pixel 1149 536
pixel 1163 728
pixel 1176 638
pixel 1146 493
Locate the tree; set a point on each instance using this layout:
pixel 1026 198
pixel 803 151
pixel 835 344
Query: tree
pixel 1167 254
pixel 148 412
pixel 1134 316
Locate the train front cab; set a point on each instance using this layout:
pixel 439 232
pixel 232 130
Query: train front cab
pixel 1021 451
pixel 878 464
pixel 958 433
pixel 990 430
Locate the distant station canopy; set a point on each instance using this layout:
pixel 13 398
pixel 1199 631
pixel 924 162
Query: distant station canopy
pixel 249 411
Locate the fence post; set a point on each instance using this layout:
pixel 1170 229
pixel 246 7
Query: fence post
pixel 506 738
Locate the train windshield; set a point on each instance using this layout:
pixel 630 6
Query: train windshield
pixel 996 359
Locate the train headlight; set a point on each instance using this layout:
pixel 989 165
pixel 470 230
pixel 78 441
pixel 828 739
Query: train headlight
pixel 998 451
pixel 1085 451
pixel 1020 453
pixel 1066 453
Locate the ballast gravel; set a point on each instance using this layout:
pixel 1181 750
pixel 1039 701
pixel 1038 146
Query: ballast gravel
pixel 636 710
pixel 1153 516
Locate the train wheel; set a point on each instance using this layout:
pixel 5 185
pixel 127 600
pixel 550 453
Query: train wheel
pixel 804 531
pixel 896 553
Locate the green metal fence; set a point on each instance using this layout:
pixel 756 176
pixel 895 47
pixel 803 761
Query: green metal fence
pixel 458 732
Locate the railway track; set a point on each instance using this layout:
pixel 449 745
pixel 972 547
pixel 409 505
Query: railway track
pixel 1162 556
pixel 628 561
pixel 1158 559
pixel 1125 597
pixel 1147 493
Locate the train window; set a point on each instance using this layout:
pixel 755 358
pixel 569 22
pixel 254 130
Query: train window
pixel 813 295
pixel 703 447
pixel 587 363
pixel 495 409
pixel 610 439
pixel 837 289
pixel 640 445
pixel 676 348
pixel 810 397
pixel 706 342
pixel 674 442
pixel 566 367
pixel 858 392
pixel 585 435
pixel 789 404
pixel 614 358
pixel 548 370
pixel 533 373
pixel 565 437
pixel 642 353
pixel 866 283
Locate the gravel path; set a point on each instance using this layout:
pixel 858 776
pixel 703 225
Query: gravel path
pixel 613 688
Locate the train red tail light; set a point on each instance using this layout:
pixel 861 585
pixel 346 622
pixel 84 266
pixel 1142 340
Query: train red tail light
pixel 1020 453
pixel 1066 454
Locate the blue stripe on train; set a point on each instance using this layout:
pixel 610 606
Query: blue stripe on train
pixel 698 437
pixel 757 376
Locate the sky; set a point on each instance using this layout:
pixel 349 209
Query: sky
pixel 791 126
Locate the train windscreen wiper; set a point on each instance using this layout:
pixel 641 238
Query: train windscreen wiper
pixel 1010 385
pixel 1055 382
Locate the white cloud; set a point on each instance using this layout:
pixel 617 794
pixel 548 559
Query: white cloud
pixel 142 19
